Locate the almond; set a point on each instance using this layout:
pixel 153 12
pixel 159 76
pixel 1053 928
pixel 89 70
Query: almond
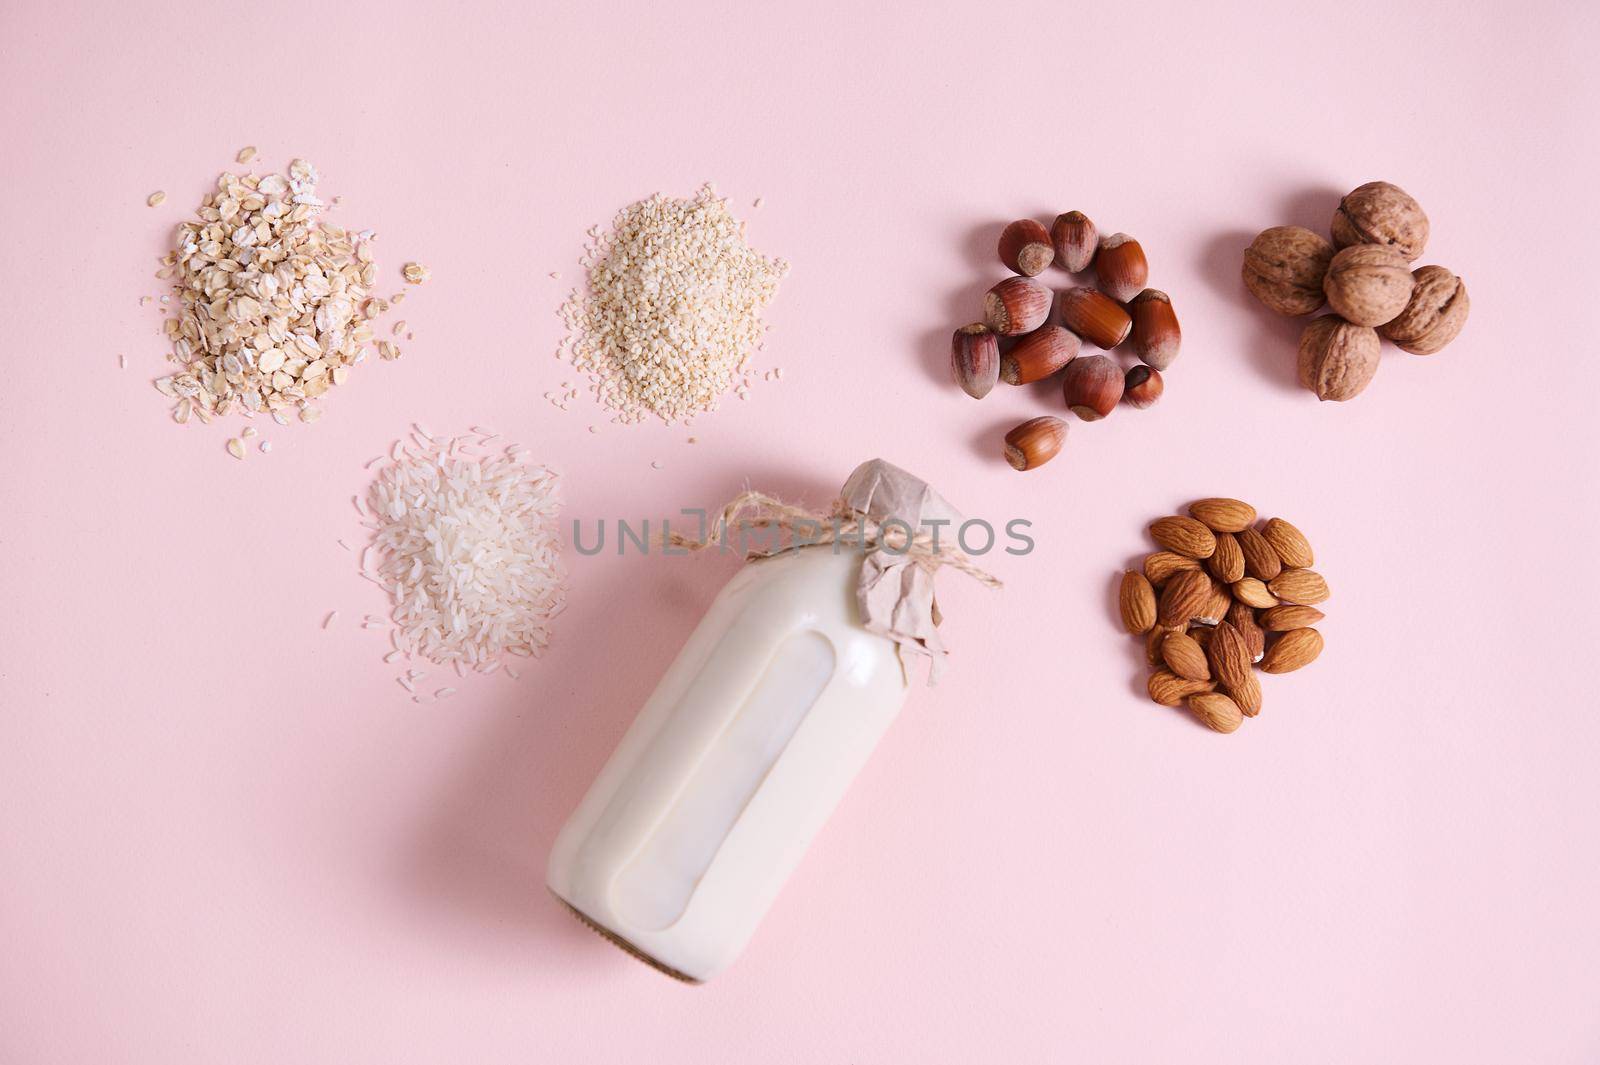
pixel 1243 618
pixel 1260 560
pixel 1138 602
pixel 1185 657
pixel 1216 711
pixel 1184 597
pixel 1217 604
pixel 1227 561
pixel 1285 618
pixel 1163 564
pixel 1186 536
pixel 1295 648
pixel 1303 587
pixel 1289 543
pixel 1224 515
pixel 1253 593
pixel 1169 689
pixel 1201 634
pixel 1248 696
pixel 1152 645
pixel 1230 657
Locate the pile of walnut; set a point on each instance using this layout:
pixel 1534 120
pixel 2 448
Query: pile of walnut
pixel 1379 230
pixel 1030 333
pixel 1220 597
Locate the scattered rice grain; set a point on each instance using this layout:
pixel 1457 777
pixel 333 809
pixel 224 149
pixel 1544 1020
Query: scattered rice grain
pixel 468 550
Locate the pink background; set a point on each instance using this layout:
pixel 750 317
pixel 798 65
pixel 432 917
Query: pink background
pixel 226 835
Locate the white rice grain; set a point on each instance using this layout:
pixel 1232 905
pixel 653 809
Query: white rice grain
pixel 468 549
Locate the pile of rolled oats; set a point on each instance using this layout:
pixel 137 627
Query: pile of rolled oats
pixel 273 306
pixel 672 311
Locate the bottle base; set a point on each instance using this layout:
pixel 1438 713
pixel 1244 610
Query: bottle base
pixel 625 946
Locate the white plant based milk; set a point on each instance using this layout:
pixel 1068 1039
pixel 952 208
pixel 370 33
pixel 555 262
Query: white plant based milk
pixel 733 765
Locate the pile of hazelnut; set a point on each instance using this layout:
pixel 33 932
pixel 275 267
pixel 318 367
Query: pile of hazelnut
pixel 1365 276
pixel 1030 333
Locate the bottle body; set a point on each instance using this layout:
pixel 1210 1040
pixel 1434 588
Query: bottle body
pixel 732 766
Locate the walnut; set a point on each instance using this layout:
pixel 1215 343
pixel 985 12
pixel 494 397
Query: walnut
pixel 1337 359
pixel 1381 213
pixel 1435 315
pixel 1368 284
pixel 1284 266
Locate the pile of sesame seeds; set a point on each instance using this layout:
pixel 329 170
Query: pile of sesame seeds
pixel 273 305
pixel 672 311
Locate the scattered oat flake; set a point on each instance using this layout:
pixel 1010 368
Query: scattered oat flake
pixel 399 327
pixel 155 199
pixel 416 273
pixel 246 154
pixel 266 446
pixel 248 432
pixel 236 448
pixel 270 304
pixel 333 615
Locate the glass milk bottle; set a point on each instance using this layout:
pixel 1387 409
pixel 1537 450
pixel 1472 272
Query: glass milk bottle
pixel 744 749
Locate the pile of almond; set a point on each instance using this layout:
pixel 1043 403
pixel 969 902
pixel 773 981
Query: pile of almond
pixel 1220 597
pixel 1030 332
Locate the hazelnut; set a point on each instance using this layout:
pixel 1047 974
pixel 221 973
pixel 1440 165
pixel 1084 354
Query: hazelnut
pixel 1142 387
pixel 1025 247
pixel 1016 305
pixel 1435 315
pixel 1076 239
pixel 1156 335
pixel 975 359
pixel 1038 355
pixel 1368 284
pixel 1092 386
pixel 1120 267
pixel 1284 267
pixel 1337 359
pixel 1035 442
pixel 1381 213
pixel 1095 317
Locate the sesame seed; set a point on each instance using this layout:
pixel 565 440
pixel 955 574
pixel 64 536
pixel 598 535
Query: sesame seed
pixel 671 310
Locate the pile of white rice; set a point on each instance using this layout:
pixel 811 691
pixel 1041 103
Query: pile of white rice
pixel 465 542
